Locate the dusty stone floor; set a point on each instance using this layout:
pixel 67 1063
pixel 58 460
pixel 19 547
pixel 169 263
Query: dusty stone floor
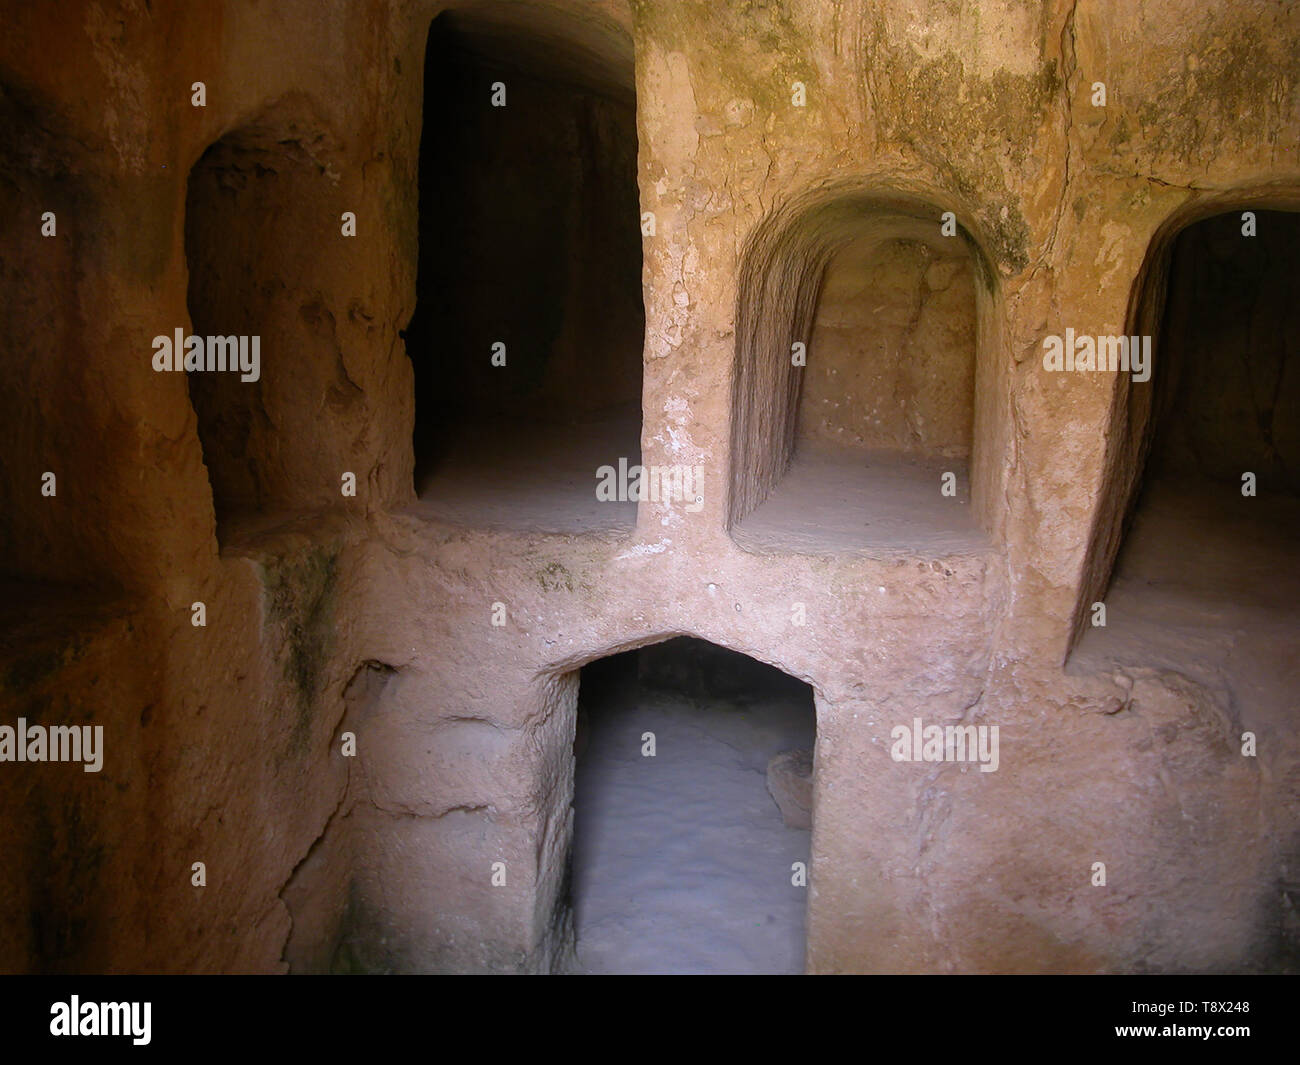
pixel 681 862
pixel 1207 586
pixel 835 501
pixel 538 477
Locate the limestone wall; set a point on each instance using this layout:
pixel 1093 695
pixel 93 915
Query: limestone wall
pixel 329 613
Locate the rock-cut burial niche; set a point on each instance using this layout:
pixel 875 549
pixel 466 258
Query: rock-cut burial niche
pixel 1201 509
pixel 279 423
pixel 527 336
pixel 62 459
pixel 855 413
pixel 693 805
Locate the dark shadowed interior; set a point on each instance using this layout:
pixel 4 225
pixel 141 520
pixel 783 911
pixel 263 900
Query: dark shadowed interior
pixel 1209 558
pixel 530 253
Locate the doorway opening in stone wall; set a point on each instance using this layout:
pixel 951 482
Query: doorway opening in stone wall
pixel 859 323
pixel 1206 579
pixel 692 805
pixel 527 336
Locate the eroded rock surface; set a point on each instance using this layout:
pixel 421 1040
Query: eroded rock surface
pixel 789 780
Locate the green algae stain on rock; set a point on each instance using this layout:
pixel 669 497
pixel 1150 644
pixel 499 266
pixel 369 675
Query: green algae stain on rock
pixel 553 576
pixel 979 133
pixel 34 667
pixel 755 48
pixel 300 602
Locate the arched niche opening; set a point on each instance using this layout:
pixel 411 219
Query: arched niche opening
pixel 279 412
pixel 61 463
pixel 527 337
pixel 69 599
pixel 693 805
pixel 862 410
pixel 1192 563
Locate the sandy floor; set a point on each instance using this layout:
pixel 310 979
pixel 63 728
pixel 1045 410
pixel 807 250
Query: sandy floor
pixel 682 861
pixel 835 502
pixel 535 477
pixel 1208 584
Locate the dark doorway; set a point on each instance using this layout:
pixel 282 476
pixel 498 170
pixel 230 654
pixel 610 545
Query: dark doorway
pixel 1206 580
pixel 530 255
pixel 683 858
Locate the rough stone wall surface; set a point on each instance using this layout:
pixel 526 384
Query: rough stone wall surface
pixel 893 349
pixel 224 741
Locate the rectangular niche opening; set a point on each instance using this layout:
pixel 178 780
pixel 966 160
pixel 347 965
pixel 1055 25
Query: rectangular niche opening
pixel 872 319
pixel 1207 578
pixel 682 862
pixel 530 254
